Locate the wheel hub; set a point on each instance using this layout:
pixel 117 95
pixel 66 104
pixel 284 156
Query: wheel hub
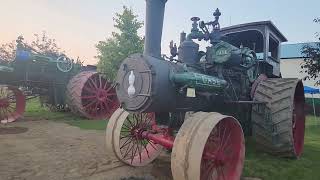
pixel 102 95
pixel 218 159
pixel 137 132
pixel 4 103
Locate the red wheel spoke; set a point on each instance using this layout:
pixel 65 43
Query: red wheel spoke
pixel 128 136
pixel 128 150
pixel 89 104
pixel 131 124
pixel 208 168
pixel 126 126
pixel 221 172
pixel 110 89
pixel 138 120
pixel 105 86
pixel 107 106
pixel 89 90
pixel 100 82
pixel 226 141
pixel 10 109
pixel 222 137
pixel 128 141
pixel 134 153
pixel 111 94
pixel 151 143
pixel 101 107
pixel 139 150
pixel 7 113
pixel 88 97
pixel 145 147
pixel 93 83
pixel 96 108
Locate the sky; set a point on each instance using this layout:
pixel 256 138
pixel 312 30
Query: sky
pixel 78 25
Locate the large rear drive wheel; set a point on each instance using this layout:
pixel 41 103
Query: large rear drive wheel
pixel 278 126
pixel 208 146
pixel 124 138
pixel 12 103
pixel 92 96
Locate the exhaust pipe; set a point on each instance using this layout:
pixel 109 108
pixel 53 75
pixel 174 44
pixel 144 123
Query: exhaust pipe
pixel 153 27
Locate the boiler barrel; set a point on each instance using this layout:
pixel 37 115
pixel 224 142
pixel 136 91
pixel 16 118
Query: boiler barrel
pixel 148 84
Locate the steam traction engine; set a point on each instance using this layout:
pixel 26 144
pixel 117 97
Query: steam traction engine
pixel 59 81
pixel 196 105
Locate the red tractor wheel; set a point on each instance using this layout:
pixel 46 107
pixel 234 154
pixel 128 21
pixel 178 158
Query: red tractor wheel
pixel 124 138
pixel 91 95
pixel 278 126
pixel 12 104
pixel 208 146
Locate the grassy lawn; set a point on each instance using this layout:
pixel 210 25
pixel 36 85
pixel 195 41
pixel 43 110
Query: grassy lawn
pixel 267 167
pixel 257 164
pixel 35 111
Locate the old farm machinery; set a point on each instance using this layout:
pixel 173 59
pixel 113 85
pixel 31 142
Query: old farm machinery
pixel 59 81
pixel 201 104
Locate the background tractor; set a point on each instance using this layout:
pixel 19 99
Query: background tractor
pixel 201 104
pixel 60 83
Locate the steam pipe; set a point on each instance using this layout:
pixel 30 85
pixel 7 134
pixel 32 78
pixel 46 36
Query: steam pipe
pixel 153 27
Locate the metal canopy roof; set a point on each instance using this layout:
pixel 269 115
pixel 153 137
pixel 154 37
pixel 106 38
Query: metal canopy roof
pixel 268 24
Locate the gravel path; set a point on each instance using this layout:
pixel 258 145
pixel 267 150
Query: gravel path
pixel 38 150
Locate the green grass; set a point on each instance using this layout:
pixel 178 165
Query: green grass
pixel 268 167
pixel 257 164
pixel 35 111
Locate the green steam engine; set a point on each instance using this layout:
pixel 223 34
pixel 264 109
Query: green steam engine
pixel 196 105
pixel 60 82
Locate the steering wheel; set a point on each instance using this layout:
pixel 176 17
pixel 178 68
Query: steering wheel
pixel 64 64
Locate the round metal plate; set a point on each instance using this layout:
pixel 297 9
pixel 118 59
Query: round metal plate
pixel 139 67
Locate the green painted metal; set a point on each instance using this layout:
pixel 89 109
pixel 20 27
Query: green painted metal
pixel 222 52
pixel 43 75
pixel 199 81
pixel 6 69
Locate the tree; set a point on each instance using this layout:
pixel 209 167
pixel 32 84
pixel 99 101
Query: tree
pixel 41 44
pixel 126 41
pixel 45 45
pixel 7 52
pixel 311 63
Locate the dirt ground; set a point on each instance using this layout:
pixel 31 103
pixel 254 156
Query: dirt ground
pixel 39 150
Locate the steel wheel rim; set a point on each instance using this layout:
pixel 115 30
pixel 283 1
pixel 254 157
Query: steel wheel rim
pixel 298 120
pixel 222 152
pixel 12 104
pixel 191 153
pixel 131 147
pixel 98 97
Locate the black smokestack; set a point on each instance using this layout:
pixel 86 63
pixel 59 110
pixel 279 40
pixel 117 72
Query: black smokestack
pixel 154 25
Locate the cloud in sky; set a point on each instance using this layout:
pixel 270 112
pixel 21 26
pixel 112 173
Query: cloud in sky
pixel 78 25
